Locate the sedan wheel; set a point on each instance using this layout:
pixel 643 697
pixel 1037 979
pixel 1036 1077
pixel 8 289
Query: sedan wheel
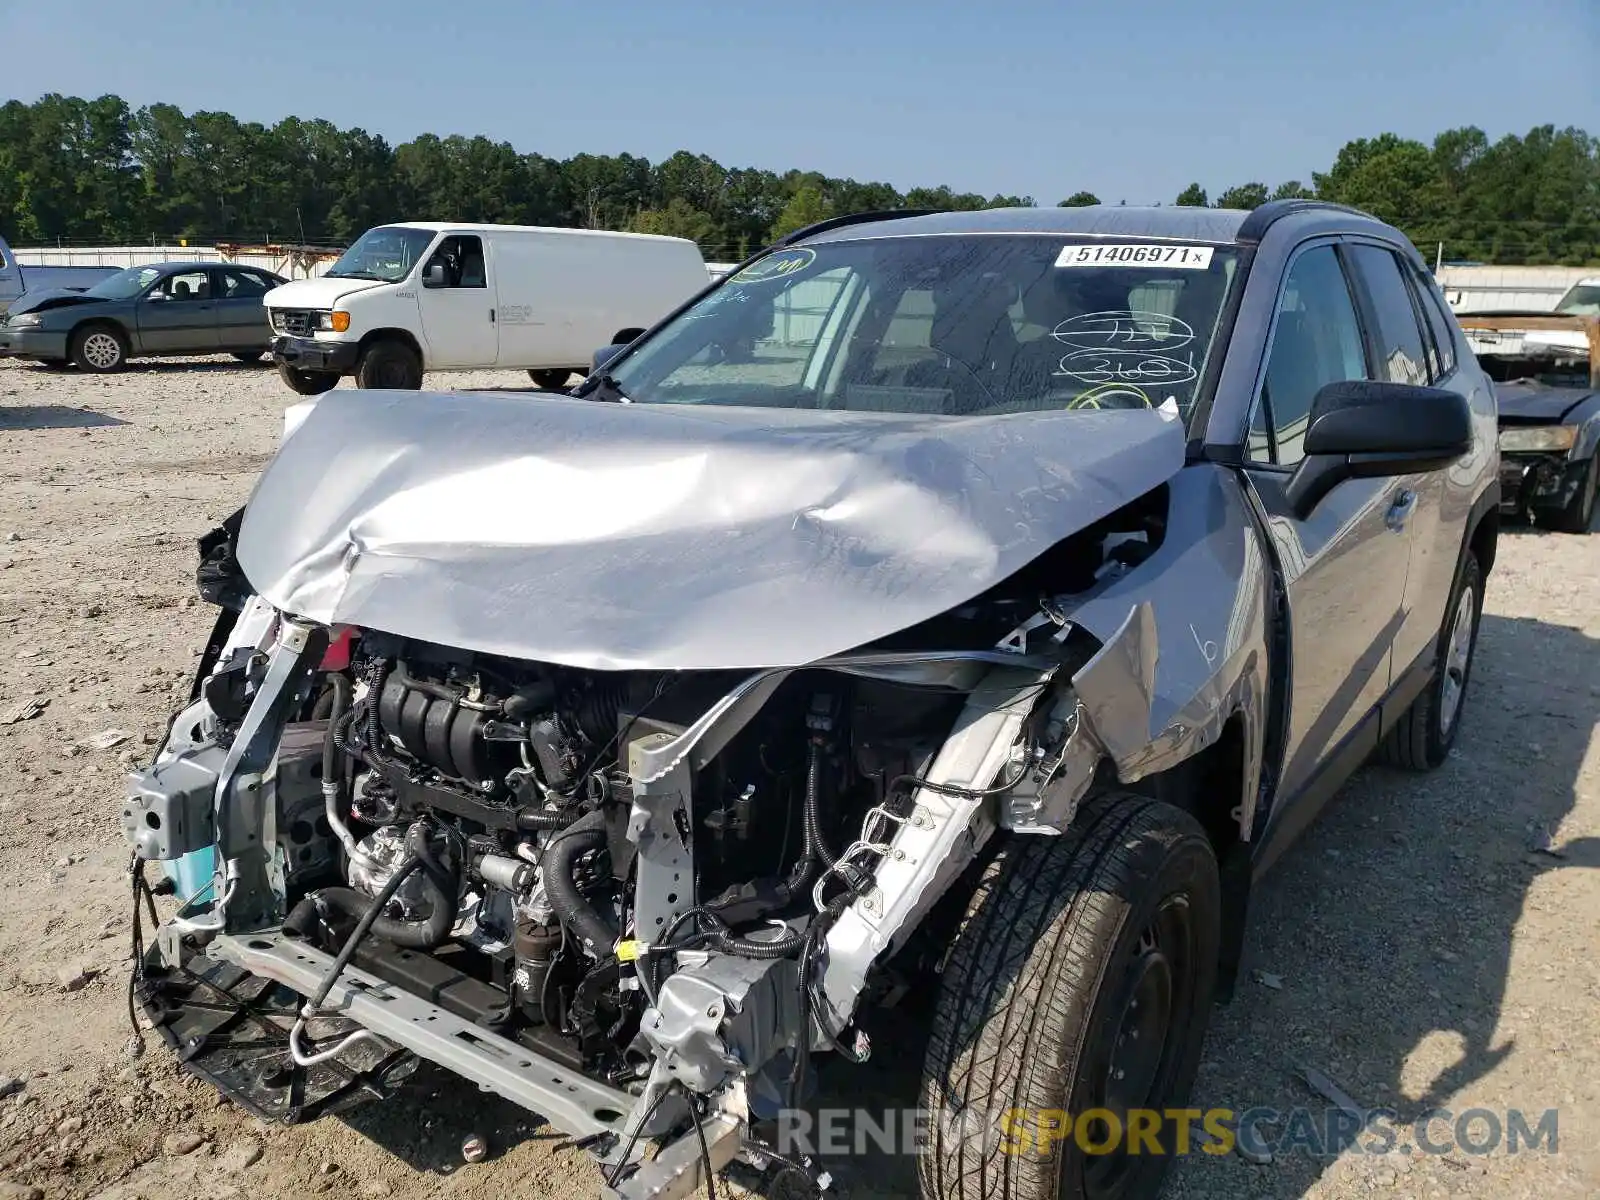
pixel 100 349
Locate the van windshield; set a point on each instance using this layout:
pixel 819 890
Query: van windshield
pixel 945 325
pixel 386 253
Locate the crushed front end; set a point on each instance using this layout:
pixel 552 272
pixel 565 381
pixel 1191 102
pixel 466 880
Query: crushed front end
pixel 613 898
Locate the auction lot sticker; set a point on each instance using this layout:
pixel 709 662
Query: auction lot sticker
pixel 1188 258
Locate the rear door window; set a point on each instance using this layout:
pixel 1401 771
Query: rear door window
pixel 1398 342
pixel 241 285
pixel 1433 311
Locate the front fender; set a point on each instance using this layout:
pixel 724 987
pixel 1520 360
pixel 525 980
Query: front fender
pixel 1184 639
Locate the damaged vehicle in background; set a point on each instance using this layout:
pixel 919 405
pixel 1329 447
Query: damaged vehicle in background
pixel 1547 369
pixel 958 610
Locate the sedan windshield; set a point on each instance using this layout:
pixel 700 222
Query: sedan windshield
pixel 945 325
pixel 125 284
pixel 386 253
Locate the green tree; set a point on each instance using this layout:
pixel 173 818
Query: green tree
pixel 1292 190
pixel 1079 200
pixel 1246 195
pixel 73 168
pixel 806 207
pixel 678 219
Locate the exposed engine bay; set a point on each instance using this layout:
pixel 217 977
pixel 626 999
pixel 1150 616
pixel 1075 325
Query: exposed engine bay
pixel 673 888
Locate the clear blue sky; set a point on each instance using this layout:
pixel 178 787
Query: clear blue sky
pixel 1129 100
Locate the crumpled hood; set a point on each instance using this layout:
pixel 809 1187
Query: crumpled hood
pixel 319 293
pixel 1536 402
pixel 618 536
pixel 44 299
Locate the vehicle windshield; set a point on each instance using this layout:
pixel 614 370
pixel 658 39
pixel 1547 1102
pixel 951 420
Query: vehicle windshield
pixel 125 284
pixel 1583 301
pixel 945 325
pixel 386 253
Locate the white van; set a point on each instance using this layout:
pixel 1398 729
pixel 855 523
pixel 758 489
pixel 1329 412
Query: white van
pixel 430 296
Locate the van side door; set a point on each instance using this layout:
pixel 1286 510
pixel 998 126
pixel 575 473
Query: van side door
pixel 457 304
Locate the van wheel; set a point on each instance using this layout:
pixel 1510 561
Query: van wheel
pixel 551 381
pixel 389 364
pixel 1081 979
pixel 1421 739
pixel 99 348
pixel 307 383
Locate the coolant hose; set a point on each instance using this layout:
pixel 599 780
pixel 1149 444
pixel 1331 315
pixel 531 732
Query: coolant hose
pixel 557 865
pixel 439 886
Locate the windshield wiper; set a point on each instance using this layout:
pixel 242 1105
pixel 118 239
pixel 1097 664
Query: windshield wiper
pixel 602 387
pixel 355 275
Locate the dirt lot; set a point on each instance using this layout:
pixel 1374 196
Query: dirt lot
pixel 1415 948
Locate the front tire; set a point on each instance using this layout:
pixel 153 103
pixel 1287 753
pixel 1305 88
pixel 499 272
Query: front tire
pixel 1081 979
pixel 1578 515
pixel 389 364
pixel 307 383
pixel 550 381
pixel 1421 739
pixel 100 349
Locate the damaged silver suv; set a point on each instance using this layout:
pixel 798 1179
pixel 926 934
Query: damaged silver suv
pixel 957 611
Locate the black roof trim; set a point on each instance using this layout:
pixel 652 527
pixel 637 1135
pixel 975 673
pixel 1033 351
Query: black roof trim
pixel 860 218
pixel 1263 216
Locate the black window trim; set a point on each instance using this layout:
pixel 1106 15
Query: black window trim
pixel 1335 242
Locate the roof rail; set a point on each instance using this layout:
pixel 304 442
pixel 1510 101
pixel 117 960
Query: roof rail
pixel 860 218
pixel 1263 216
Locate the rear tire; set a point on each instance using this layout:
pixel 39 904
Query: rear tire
pixel 389 364
pixel 248 356
pixel 1421 739
pixel 1578 515
pixel 307 383
pixel 1039 1006
pixel 99 348
pixel 550 381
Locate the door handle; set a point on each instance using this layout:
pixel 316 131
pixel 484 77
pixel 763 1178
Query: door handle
pixel 491 316
pixel 1405 503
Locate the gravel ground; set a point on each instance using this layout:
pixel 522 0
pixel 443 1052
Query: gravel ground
pixel 1414 948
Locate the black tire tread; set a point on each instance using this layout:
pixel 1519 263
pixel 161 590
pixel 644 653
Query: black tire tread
pixel 387 348
pixel 1578 515
pixel 1025 977
pixel 1412 743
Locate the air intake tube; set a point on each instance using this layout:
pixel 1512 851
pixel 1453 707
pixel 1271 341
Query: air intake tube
pixel 557 866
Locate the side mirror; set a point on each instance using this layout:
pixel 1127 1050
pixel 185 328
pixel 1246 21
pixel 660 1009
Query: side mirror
pixel 605 354
pixel 433 276
pixel 1362 430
